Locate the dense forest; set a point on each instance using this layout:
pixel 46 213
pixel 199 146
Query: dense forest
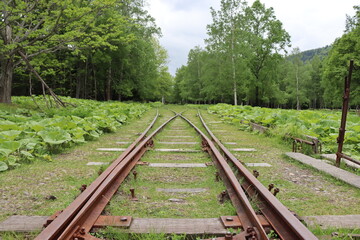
pixel 97 49
pixel 245 61
pixel 109 50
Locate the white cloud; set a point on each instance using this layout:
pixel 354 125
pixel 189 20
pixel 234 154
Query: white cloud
pixel 311 23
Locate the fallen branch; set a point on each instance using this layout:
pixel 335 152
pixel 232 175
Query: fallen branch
pixel 57 100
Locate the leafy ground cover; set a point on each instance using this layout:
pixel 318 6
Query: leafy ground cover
pixel 323 124
pixel 25 190
pixel 27 133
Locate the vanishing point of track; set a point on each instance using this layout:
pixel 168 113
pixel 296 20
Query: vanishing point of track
pixel 85 212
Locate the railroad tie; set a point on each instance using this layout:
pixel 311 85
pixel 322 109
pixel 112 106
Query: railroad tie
pixel 322 166
pixel 174 137
pixel 179 143
pixel 122 143
pixel 257 164
pixel 175 150
pixel 181 190
pixel 178 165
pixel 96 163
pixel 111 149
pixel 243 149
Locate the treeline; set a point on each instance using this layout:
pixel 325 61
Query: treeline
pixel 95 49
pixel 245 62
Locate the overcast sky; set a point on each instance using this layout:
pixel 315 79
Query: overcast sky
pixel 310 23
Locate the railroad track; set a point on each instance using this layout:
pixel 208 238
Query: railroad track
pixel 86 212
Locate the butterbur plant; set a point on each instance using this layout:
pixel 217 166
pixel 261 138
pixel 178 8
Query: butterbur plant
pixel 26 135
pixel 323 124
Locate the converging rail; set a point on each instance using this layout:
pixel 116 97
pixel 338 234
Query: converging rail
pixel 286 225
pixel 77 220
pixel 60 225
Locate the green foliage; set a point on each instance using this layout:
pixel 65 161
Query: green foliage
pixel 284 123
pixel 99 50
pixel 309 55
pixel 240 60
pixel 31 134
pixel 245 58
pixel 336 67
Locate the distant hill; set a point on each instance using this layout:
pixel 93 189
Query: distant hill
pixel 321 52
pixel 310 54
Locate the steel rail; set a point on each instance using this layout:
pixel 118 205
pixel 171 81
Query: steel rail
pixel 286 225
pixel 252 225
pixel 61 221
pixel 86 217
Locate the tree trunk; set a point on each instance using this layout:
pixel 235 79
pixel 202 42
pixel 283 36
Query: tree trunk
pixel 257 99
pixel 78 81
pixel 85 93
pixel 108 85
pixel 233 65
pixel 6 61
pixel 95 80
pixel 297 89
pixel 6 77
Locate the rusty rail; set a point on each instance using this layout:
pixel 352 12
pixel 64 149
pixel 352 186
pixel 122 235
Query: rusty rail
pixel 342 155
pixel 77 220
pixel 314 142
pixel 286 225
pixel 63 225
pixel 245 212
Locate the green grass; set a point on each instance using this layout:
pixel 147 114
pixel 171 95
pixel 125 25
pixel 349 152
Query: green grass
pixel 156 204
pixel 302 189
pixel 27 186
pixel 17 236
pixel 335 233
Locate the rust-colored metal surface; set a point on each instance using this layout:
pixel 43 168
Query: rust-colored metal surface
pixel 86 217
pixel 91 211
pixel 346 100
pixel 243 207
pixel 342 155
pixel 234 221
pixel 113 221
pixel 316 145
pixel 286 225
pixel 63 219
pixel 84 214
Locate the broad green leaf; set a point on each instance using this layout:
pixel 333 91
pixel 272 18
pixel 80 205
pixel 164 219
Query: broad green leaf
pixel 5 152
pixel 54 137
pixel 27 154
pixel 29 143
pixel 10 135
pixel 94 134
pixel 11 146
pixel 37 127
pixel 12 161
pixel 8 125
pixel 3 166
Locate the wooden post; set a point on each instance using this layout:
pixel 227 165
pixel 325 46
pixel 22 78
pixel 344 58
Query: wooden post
pixel 346 99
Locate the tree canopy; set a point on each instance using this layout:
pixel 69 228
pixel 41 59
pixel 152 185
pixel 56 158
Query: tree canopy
pixel 109 50
pixel 246 61
pixel 90 49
